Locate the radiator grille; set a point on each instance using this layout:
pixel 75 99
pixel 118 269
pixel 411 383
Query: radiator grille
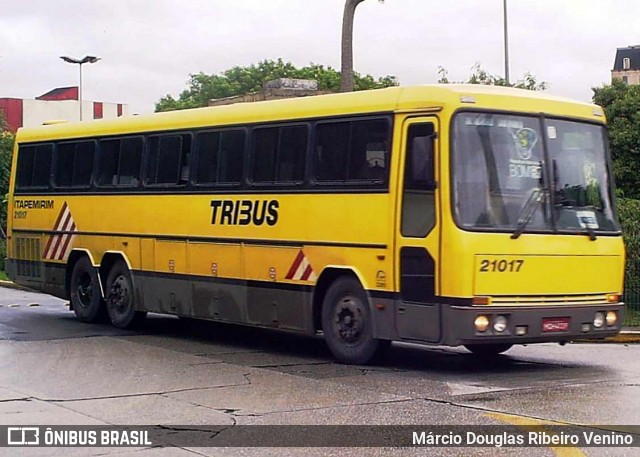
pixel 532 300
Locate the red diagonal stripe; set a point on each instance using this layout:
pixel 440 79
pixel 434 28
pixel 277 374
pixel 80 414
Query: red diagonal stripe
pixel 46 249
pixel 56 226
pixel 296 264
pixel 54 247
pixel 307 273
pixel 66 226
pixel 67 240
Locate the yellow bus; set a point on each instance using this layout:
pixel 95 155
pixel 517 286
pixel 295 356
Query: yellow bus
pixel 448 214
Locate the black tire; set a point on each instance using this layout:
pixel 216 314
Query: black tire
pixel 84 292
pixel 121 303
pixel 488 350
pixel 347 323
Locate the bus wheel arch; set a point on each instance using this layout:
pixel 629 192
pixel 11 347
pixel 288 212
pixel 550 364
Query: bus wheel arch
pixel 106 264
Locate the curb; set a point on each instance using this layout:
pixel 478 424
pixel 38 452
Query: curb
pixel 12 285
pixel 624 337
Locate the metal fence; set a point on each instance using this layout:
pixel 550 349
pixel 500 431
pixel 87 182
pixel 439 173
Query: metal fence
pixel 632 293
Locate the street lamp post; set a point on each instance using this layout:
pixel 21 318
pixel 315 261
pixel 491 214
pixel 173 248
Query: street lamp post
pixel 79 62
pixel 506 43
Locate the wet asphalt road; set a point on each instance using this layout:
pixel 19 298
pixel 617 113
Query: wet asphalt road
pixel 56 370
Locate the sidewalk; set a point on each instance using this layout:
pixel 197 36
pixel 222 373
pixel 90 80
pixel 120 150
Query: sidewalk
pixel 12 285
pixel 628 335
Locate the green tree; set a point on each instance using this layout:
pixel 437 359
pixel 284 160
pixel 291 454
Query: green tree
pixel 6 153
pixel 621 104
pixel 480 76
pixel 243 80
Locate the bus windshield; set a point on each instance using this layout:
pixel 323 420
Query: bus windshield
pixel 507 177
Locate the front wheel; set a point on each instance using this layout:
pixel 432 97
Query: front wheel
pixel 121 298
pixel 347 323
pixel 488 350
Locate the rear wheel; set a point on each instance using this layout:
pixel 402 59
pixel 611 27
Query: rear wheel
pixel 488 349
pixel 84 292
pixel 121 298
pixel 347 323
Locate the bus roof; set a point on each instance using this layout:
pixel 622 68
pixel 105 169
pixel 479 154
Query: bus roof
pixel 404 98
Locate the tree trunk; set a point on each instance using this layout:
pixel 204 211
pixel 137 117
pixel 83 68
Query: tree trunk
pixel 346 76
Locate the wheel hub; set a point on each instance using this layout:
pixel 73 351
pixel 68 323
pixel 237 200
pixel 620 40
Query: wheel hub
pixel 119 294
pixel 85 291
pixel 348 320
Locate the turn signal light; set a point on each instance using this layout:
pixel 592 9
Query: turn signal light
pixel 613 298
pixel 481 300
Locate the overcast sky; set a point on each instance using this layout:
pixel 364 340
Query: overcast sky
pixel 149 47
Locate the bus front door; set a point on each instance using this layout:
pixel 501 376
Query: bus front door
pixel 417 246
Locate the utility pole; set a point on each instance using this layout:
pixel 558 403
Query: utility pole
pixel 346 73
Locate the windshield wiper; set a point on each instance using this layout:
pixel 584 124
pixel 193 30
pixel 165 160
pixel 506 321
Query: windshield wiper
pixel 536 197
pixel 591 233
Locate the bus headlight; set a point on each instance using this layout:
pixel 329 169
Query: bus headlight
pixel 612 318
pixel 598 320
pixel 500 324
pixel 481 323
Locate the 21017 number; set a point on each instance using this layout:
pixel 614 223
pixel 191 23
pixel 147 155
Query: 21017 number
pixel 501 266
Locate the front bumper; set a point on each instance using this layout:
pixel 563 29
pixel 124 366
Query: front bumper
pixel 458 323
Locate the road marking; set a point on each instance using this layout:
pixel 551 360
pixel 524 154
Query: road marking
pixel 524 422
pixel 33 304
pixel 13 305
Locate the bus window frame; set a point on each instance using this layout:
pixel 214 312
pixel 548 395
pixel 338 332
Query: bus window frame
pixel 189 153
pixel 195 159
pixel 363 185
pixel 96 169
pixel 32 189
pixel 249 157
pixel 54 164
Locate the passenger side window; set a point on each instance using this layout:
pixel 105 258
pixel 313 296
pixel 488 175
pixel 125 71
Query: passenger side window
pixel 220 157
pixel 119 162
pixel 279 154
pixel 352 152
pixel 34 166
pixel 168 160
pixel 74 163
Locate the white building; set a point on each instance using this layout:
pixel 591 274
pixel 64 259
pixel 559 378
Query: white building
pixel 57 105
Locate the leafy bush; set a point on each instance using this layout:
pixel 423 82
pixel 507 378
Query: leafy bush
pixel 629 215
pixel 3 253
